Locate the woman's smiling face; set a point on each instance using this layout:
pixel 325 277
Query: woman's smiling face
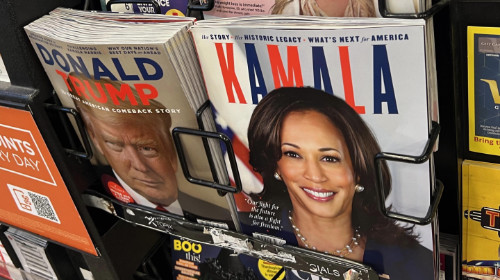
pixel 316 166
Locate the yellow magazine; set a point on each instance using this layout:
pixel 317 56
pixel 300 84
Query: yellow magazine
pixel 465 209
pixel 482 180
pixel 483 49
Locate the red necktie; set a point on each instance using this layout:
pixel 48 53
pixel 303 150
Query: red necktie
pixel 161 208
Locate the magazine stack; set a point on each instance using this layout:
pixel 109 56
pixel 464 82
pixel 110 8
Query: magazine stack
pixel 133 79
pixel 7 268
pixel 31 252
pixel 308 102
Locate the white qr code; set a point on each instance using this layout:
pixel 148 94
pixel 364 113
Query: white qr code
pixel 33 203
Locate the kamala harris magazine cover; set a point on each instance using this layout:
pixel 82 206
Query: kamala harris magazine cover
pixel 130 92
pixel 308 103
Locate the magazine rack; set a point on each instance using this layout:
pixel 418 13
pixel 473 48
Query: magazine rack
pixel 28 92
pixel 283 255
pixel 76 153
pixel 379 158
pixel 87 151
pixel 173 225
pixel 177 131
pixel 113 260
pixel 438 188
pixel 196 232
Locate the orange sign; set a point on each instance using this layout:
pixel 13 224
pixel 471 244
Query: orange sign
pixel 33 195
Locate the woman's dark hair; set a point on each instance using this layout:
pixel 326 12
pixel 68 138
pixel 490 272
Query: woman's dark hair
pixel 265 151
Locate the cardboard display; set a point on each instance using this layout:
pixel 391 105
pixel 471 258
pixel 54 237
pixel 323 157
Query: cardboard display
pixel 33 195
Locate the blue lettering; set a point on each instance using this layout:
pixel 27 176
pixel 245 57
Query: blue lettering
pixel 381 68
pixel 148 68
pixel 100 70
pixel 156 75
pixel 254 71
pixel 320 70
pixel 65 65
pixel 45 54
pixel 121 71
pixel 78 67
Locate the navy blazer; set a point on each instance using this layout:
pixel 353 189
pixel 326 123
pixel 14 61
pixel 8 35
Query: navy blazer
pixel 399 262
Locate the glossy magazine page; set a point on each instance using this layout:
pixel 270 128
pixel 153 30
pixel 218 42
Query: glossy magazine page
pixel 307 103
pixel 165 7
pixel 131 80
pixel 483 97
pixel 480 241
pixel 353 8
pixel 193 260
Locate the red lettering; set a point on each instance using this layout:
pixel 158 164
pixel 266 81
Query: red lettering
pixel 294 69
pixel 102 98
pixel 124 91
pixel 146 92
pixel 26 207
pixel 64 77
pixel 493 215
pixel 153 93
pixel 78 86
pixel 345 65
pixel 228 73
pixel 24 202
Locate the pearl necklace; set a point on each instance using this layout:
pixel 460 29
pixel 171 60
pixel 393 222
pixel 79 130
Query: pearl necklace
pixel 339 253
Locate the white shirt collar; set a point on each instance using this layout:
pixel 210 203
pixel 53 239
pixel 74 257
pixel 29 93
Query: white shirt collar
pixel 174 207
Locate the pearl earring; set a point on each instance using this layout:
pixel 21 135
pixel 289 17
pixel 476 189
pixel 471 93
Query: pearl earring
pixel 359 188
pixel 277 176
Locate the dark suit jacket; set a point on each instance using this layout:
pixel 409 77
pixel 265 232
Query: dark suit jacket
pixel 193 208
pixel 399 262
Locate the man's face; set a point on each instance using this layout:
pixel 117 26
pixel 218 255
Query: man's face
pixel 141 155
